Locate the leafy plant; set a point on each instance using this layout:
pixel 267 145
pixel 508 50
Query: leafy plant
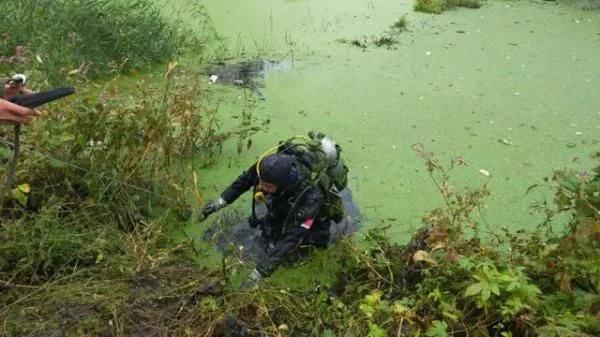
pixel 437 329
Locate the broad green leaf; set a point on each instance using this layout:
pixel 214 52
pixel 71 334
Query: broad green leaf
pixel 376 331
pixel 474 289
pixel 466 263
pixel 485 293
pixel 494 288
pixel 368 310
pixel 65 137
pixel 5 153
pixel 437 329
pixel 328 333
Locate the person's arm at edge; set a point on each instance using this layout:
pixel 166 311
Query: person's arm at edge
pixel 243 183
pixel 13 113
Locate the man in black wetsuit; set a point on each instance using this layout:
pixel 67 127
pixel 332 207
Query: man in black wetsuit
pixel 298 205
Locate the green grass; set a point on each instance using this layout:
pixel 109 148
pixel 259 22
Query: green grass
pixel 86 38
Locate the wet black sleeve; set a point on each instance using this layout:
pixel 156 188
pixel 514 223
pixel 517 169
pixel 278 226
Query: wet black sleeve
pixel 303 221
pixel 242 184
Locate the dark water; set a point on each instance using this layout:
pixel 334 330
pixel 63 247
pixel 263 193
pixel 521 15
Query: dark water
pixel 245 74
pixel 231 233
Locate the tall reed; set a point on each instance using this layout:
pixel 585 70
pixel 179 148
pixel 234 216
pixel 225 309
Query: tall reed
pixel 85 37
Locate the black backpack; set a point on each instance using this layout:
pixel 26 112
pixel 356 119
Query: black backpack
pixel 323 159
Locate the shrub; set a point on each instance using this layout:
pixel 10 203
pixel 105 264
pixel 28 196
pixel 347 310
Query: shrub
pixel 124 150
pixel 39 246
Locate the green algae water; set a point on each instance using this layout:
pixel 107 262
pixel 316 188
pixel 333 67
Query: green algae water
pixel 512 87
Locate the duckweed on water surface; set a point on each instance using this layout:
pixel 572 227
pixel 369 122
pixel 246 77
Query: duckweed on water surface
pixel 81 255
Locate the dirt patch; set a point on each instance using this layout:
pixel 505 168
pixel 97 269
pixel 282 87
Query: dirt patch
pixel 161 297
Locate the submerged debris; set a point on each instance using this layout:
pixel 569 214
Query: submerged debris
pixel 245 74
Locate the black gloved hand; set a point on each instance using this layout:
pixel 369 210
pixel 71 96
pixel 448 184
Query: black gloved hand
pixel 213 206
pixel 253 280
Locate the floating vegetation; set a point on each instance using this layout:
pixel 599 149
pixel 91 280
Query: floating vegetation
pixel 386 40
pixel 438 6
pixel 401 24
pixel 361 43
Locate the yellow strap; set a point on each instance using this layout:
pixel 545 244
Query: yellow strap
pixel 268 152
pixel 273 150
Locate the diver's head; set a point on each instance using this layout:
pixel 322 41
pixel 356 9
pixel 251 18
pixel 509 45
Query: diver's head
pixel 267 187
pixel 277 173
